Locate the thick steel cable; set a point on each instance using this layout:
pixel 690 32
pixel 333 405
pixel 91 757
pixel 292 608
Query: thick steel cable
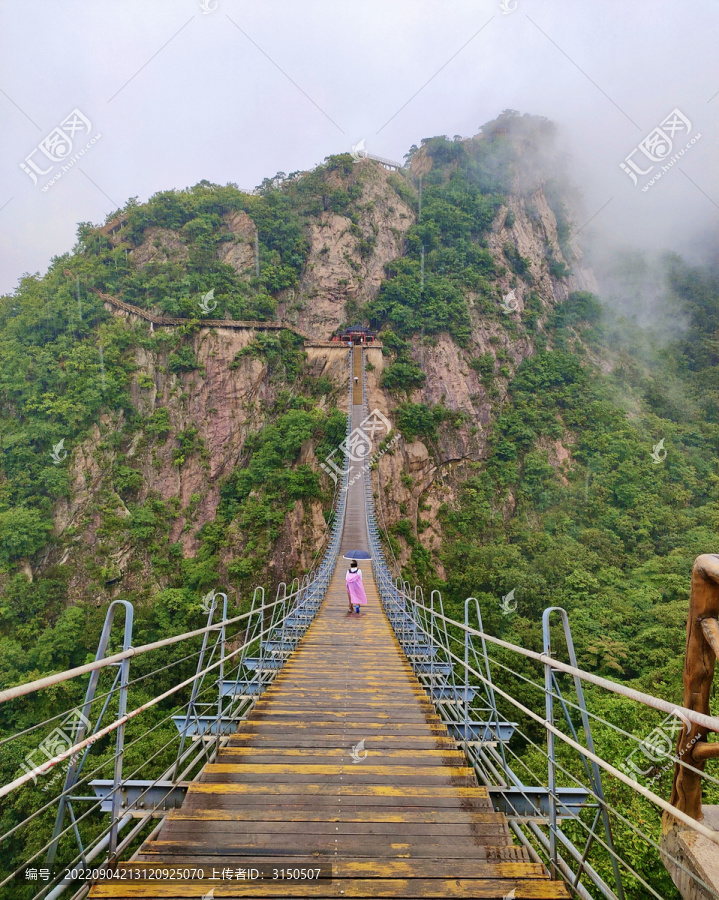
pixel 107 830
pixel 97 697
pixel 602 802
pixel 110 793
pixel 60 677
pixel 104 764
pixel 599 719
pixel 49 764
pixel 558 764
pixel 713 836
pixel 574 778
pixel 645 792
pixel 99 768
pixel 709 722
pixel 87 812
pixel 688 766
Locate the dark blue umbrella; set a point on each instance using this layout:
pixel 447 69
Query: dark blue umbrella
pixel 357 554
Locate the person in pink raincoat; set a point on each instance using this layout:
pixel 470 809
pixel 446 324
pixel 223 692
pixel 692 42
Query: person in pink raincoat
pixel 355 588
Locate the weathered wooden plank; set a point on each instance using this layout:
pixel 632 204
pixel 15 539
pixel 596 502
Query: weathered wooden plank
pixel 460 888
pixel 360 816
pixel 383 868
pixel 365 769
pixel 331 727
pixel 372 846
pixel 334 827
pixel 259 740
pixel 324 755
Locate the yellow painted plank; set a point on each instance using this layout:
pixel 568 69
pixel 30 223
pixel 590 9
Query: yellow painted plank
pixel 369 814
pixel 312 769
pixel 463 889
pixel 456 755
pixel 344 789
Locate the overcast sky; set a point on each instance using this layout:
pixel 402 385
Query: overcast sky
pixel 248 89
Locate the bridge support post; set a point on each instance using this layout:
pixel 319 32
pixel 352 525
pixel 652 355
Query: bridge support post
pixel 124 675
pixel 551 686
pixel 197 683
pixel 221 676
pixel 75 767
pixel 551 760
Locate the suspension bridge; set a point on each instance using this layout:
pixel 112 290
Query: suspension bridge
pixel 317 753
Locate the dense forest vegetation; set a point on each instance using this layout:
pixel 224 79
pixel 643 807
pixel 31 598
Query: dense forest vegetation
pixel 610 534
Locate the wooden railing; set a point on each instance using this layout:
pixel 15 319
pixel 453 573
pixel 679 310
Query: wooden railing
pixel 702 649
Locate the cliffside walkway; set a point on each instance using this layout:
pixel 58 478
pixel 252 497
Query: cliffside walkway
pixel 343 764
pixel 130 309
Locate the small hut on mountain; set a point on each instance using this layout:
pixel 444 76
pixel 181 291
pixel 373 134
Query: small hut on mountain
pixel 356 334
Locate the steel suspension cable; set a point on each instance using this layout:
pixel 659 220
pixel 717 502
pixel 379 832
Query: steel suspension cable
pixel 709 722
pixel 599 719
pixel 101 800
pixel 99 768
pixel 46 766
pixel 49 680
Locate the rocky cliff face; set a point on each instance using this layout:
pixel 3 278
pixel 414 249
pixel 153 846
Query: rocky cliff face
pixel 416 480
pixel 209 412
pixel 346 261
pixel 240 252
pixel 205 418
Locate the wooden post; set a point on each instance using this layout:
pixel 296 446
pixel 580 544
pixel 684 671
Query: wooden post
pixel 699 661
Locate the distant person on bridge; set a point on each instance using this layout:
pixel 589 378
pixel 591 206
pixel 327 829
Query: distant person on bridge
pixel 355 588
pixel 356 379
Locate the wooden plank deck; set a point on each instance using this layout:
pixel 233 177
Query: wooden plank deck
pixel 358 374
pixel 343 763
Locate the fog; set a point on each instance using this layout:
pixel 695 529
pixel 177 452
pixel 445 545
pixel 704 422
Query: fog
pixel 183 90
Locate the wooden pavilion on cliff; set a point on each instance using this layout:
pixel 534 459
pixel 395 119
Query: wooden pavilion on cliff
pixel 356 334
